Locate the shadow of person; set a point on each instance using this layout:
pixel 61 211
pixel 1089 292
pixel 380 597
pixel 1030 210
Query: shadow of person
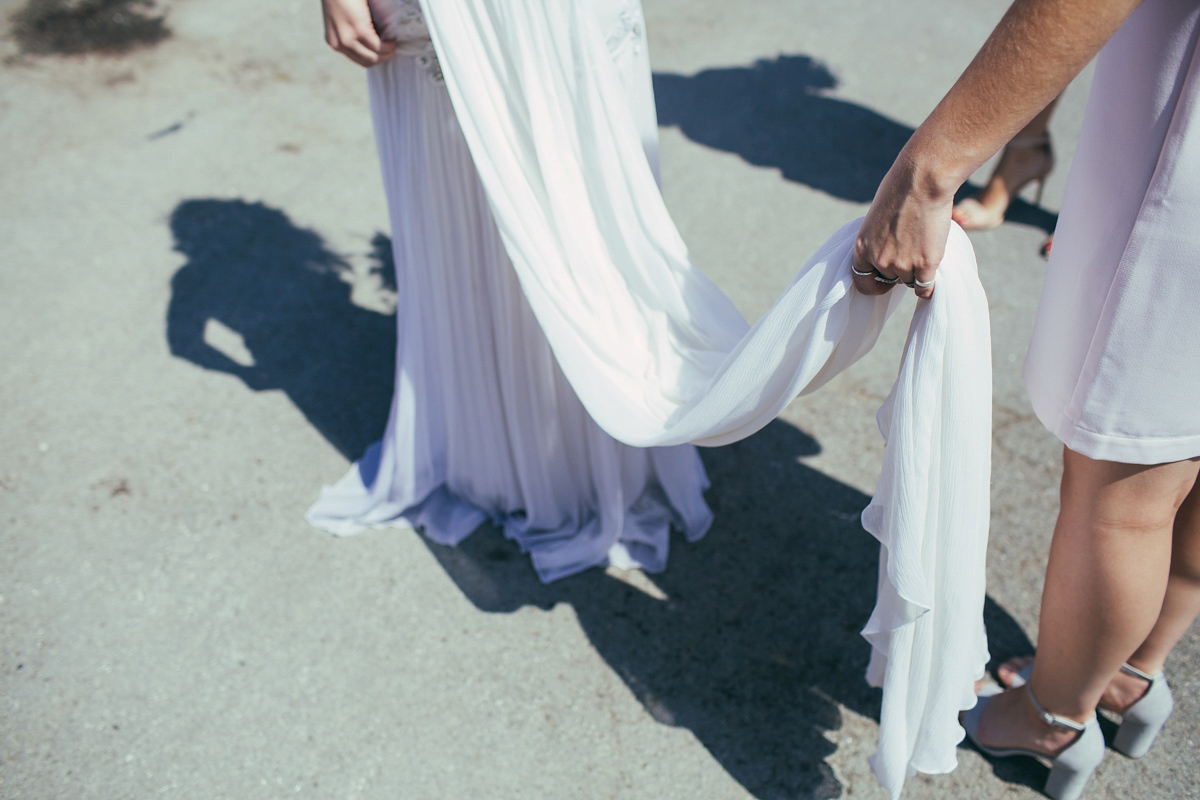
pixel 279 302
pixel 753 641
pixel 775 113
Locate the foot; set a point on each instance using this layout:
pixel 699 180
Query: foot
pixel 1010 721
pixel 1123 690
pixel 972 215
pixel 1024 160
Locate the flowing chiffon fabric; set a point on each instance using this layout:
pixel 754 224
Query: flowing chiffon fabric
pixel 535 138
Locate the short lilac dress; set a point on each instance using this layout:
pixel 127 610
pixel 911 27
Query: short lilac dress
pixel 1113 369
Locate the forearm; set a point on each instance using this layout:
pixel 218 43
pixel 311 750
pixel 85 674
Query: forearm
pixel 1034 52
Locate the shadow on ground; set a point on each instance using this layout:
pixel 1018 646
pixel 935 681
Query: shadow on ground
pixel 757 640
pixel 279 301
pixel 776 113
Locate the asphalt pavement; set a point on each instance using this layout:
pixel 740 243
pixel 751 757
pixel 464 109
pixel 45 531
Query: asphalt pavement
pixel 195 316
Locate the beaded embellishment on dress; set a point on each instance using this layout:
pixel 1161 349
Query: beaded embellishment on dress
pixel 402 22
pixel 630 29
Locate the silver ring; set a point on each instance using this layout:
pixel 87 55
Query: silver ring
pixel 882 279
pixel 922 284
pixel 870 272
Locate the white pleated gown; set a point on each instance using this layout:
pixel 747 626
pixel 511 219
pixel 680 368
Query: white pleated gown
pixel 483 424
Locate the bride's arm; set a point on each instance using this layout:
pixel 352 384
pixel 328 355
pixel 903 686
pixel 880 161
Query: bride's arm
pixel 349 30
pixel 1034 52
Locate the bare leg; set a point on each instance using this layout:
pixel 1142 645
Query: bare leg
pixel 1181 607
pixel 1025 158
pixel 1105 587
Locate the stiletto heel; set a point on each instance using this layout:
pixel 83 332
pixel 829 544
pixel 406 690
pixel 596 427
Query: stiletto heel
pixel 1041 143
pixel 972 214
pixel 1074 764
pixel 1142 721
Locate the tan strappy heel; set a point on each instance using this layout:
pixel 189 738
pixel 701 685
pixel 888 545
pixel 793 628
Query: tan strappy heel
pixel 972 214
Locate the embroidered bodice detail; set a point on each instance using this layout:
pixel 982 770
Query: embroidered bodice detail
pixel 403 22
pixel 630 31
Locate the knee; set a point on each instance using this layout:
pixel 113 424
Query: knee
pixel 1123 498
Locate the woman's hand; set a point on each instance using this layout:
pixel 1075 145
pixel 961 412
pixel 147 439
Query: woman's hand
pixel 903 236
pixel 1033 53
pixel 349 30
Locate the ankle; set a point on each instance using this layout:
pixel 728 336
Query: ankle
pixel 1042 736
pixel 1036 713
pixel 1024 160
pixel 1123 691
pixel 1149 666
pixel 1010 720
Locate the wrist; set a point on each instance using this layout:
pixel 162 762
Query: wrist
pixel 936 167
pixel 927 178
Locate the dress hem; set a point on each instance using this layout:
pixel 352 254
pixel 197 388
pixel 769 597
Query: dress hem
pixel 1110 447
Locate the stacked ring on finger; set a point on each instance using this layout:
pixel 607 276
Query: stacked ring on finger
pixel 873 273
pixel 921 284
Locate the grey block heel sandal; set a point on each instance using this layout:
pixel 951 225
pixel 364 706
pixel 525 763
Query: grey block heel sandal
pixel 1070 769
pixel 1142 721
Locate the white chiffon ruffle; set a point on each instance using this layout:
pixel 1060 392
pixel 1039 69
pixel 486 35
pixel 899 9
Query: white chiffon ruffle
pixel 656 354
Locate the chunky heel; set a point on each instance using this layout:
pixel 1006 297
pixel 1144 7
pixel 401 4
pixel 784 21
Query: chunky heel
pixel 1070 769
pixel 1142 721
pixel 1075 765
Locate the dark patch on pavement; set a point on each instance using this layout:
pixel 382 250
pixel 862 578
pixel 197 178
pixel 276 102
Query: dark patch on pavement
pixel 173 128
pixel 114 486
pixel 66 28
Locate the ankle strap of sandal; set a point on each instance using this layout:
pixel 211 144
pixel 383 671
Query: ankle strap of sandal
pixel 1053 719
pixel 1137 673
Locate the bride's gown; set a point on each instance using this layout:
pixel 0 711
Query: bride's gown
pixel 483 422
pixel 559 355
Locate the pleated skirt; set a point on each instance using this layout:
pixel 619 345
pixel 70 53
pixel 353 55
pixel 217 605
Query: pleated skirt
pixel 483 424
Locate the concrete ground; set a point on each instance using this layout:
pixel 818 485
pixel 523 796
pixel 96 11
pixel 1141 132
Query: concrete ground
pixel 194 315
